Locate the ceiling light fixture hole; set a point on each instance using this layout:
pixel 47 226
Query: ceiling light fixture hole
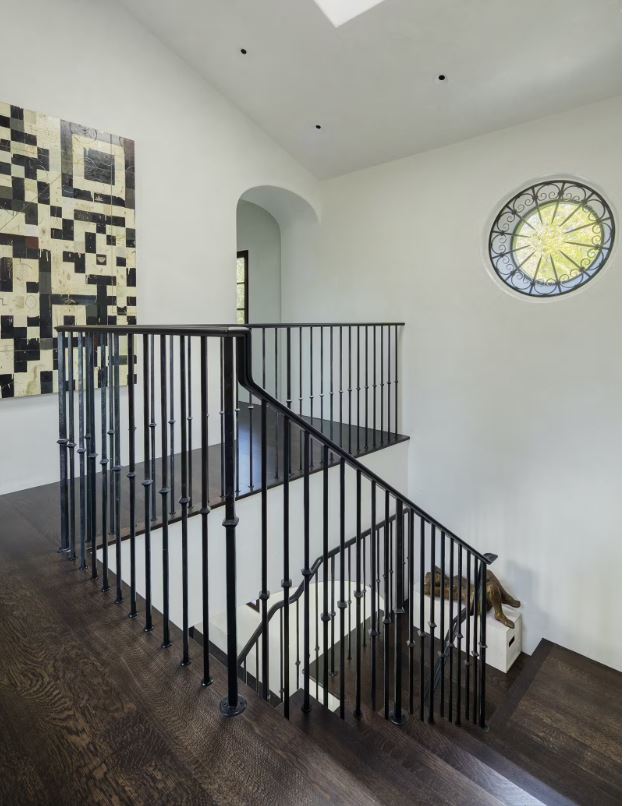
pixel 317 125
pixel 442 77
pixel 244 51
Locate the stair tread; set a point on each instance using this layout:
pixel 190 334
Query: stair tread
pixel 477 758
pixel 390 764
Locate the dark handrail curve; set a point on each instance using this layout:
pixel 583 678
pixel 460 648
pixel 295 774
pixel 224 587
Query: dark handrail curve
pixel 244 372
pixel 299 590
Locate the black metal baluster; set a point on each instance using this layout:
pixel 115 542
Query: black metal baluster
pixel 164 491
pixel 289 400
pixel 373 632
pixel 82 451
pixel 297 659
pixel 399 716
pixel 325 616
pixel 90 439
pixel 306 573
pixel 147 483
pixel 117 469
pixel 286 568
pixel 62 442
pixel 349 604
pixel 237 453
pixel 388 383
pixel 222 446
pixel 374 387
pixel 232 704
pixel 132 476
pixel 379 587
pixel 358 388
pixel 321 376
pixel 359 594
pixel 152 434
pixel 104 460
pixel 111 434
pixel 332 615
pixel 432 624
pixel 71 445
pixel 451 629
pixel 363 587
pixel 411 641
pixel 476 589
pixel 366 387
pixel 381 384
pixel 422 621
pixel 172 431
pixel 275 364
pixel 441 626
pixel 317 634
pixel 331 382
pixel 264 359
pixel 341 604
pixel 250 412
pixel 341 382
pixel 264 592
pixel 281 655
pixel 301 395
pixel 483 605
pixel 396 380
pixel 467 647
pixel 387 604
pixel 184 503
pixel 349 388
pixel 190 423
pixel 459 640
pixel 310 390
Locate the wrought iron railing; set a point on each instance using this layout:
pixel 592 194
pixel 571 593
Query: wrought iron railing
pixel 408 543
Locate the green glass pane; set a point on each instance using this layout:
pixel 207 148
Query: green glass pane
pixel 241 295
pixel 240 270
pixel 557 241
pixel 240 317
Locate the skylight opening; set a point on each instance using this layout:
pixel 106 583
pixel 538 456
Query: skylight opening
pixel 341 11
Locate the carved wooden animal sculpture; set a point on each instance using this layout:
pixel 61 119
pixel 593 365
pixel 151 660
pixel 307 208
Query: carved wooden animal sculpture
pixel 496 594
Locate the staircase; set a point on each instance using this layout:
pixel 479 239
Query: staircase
pixel 359 631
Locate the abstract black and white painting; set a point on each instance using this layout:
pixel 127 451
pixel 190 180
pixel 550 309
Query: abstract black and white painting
pixel 67 240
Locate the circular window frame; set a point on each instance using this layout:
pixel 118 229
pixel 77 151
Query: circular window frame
pixel 594 193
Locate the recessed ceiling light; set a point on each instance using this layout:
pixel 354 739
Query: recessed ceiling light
pixel 317 125
pixel 341 11
pixel 442 77
pixel 243 51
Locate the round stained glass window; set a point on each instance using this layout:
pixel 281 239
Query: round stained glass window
pixel 551 238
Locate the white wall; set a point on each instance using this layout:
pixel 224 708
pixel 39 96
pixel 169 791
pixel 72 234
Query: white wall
pixel 196 155
pixel 259 233
pixel 513 406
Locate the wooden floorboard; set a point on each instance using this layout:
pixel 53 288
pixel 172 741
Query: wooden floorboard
pixel 564 726
pixel 94 711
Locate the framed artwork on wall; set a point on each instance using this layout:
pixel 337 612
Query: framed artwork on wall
pixel 67 240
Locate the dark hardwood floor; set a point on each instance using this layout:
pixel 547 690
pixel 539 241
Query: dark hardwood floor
pixel 554 722
pixel 93 710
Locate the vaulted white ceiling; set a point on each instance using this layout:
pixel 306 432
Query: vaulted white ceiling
pixel 372 83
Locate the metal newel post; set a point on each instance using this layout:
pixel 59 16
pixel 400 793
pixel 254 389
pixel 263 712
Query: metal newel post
pixel 233 704
pixel 62 443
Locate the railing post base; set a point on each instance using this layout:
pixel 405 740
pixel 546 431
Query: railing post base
pixel 232 710
pixel 398 720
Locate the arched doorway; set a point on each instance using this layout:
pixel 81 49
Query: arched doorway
pixel 276 230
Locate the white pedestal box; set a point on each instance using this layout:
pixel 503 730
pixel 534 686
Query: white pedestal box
pixel 503 643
